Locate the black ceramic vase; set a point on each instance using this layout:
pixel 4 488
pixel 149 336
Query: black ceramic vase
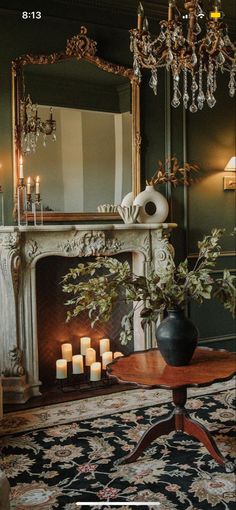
pixel 177 338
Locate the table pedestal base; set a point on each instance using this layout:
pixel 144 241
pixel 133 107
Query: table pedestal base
pixel 180 421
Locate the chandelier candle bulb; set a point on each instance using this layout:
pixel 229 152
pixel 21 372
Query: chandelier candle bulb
pixel 90 356
pixel 95 371
pixel 106 358
pixel 118 354
pixel 85 343
pixel 104 345
pixel 66 350
pixel 170 10
pixel 61 369
pixel 140 13
pixel 77 364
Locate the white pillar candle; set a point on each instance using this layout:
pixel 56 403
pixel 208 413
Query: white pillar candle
pixel 37 185
pixel 66 351
pixel 61 369
pixel 95 371
pixel 21 175
pixel 85 343
pixel 90 356
pixel 117 354
pixel 106 358
pixel 77 364
pixel 104 345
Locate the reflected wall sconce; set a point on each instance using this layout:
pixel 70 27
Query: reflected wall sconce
pixel 230 180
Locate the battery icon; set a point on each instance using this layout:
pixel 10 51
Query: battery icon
pixel 215 15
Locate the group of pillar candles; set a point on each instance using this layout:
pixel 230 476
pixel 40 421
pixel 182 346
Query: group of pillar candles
pixel 87 352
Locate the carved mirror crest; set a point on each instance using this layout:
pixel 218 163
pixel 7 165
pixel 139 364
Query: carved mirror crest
pixel 76 122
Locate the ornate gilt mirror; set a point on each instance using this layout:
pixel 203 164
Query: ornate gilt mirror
pixel 86 148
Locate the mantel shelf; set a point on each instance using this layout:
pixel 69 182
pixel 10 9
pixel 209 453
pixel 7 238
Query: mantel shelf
pixel 87 227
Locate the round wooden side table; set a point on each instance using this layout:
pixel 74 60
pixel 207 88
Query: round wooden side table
pixel 147 369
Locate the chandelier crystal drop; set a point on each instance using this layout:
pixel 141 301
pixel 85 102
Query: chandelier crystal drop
pixel 193 46
pixel 31 126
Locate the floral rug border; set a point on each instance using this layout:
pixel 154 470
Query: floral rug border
pixel 92 407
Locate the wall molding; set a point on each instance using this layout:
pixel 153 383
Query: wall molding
pixel 221 338
pixel 223 253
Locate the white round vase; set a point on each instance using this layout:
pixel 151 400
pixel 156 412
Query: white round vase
pixel 153 206
pixel 128 199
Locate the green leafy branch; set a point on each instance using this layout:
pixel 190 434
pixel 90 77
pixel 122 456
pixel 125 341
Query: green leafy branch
pixel 98 294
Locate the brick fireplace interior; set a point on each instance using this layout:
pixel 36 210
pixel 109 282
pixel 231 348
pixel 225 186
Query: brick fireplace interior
pixel 51 317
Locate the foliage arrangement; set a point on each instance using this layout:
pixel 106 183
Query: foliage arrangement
pixel 171 171
pixel 152 294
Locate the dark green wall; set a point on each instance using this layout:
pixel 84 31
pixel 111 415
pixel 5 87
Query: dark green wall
pixel 207 137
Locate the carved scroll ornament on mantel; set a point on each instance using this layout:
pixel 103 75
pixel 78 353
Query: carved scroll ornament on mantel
pixel 90 244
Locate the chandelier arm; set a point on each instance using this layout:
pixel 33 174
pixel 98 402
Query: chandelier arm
pixel 227 56
pixel 191 8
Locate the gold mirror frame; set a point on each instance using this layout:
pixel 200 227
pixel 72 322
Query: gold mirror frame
pixel 80 47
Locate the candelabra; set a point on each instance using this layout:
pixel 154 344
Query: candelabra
pixel 82 370
pixel 31 126
pixel 37 208
pixel 71 381
pixel 193 47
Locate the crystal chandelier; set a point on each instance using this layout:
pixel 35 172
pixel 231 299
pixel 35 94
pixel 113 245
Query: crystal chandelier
pixel 31 126
pixel 194 46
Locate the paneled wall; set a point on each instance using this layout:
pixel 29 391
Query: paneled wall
pixel 207 137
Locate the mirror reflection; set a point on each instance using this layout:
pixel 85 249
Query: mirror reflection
pixel 87 112
pixel 88 161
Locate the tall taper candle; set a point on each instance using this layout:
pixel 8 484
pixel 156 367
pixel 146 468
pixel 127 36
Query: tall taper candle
pixel 66 351
pixel 37 185
pixel 28 186
pixel 21 174
pixel 85 343
pixel 61 369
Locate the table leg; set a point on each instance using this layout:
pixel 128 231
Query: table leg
pixel 197 430
pixel 160 428
pixel 180 421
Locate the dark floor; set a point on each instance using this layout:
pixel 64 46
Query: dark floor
pixel 55 395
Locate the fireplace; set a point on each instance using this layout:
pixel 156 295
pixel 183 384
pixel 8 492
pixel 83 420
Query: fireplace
pixel 52 329
pixel 23 253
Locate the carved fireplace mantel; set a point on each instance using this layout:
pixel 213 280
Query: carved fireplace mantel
pixel 22 247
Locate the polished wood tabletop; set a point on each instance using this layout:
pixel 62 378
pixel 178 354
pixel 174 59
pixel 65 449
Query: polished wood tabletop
pixel 148 368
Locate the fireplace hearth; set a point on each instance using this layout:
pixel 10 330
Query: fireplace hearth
pixel 52 329
pixel 23 253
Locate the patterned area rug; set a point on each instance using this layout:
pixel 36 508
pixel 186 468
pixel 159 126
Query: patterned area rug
pixel 76 461
pixel 47 416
